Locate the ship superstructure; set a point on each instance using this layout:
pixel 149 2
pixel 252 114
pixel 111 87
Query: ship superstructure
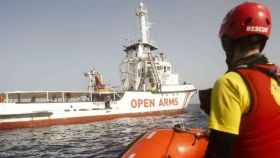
pixel 148 87
pixel 142 69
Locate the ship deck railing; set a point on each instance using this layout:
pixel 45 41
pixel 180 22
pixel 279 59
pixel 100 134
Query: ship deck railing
pixel 57 96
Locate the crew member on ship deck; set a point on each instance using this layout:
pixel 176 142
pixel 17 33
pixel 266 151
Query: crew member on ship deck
pixel 2 99
pixel 245 102
pixel 153 87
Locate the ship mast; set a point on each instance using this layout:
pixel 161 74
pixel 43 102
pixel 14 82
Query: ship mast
pixel 144 41
pixel 140 56
pixel 144 28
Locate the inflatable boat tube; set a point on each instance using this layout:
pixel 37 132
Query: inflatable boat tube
pixel 177 142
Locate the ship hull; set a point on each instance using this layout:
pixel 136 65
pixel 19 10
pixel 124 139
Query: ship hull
pixel 132 104
pixel 81 120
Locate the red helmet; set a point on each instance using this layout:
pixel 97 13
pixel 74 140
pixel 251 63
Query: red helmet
pixel 248 18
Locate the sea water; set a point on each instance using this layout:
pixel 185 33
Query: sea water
pixel 107 139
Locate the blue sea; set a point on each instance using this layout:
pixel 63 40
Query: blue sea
pixel 107 139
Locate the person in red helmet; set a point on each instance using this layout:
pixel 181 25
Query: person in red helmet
pixel 244 118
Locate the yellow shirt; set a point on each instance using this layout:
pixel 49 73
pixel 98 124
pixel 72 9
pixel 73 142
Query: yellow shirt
pixel 230 98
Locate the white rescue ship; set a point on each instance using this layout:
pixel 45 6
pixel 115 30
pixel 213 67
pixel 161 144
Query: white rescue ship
pixel 148 87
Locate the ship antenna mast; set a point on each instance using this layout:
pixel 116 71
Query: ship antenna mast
pixel 142 13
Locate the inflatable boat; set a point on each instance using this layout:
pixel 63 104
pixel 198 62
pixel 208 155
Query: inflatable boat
pixel 177 142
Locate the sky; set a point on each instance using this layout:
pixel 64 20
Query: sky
pixel 48 45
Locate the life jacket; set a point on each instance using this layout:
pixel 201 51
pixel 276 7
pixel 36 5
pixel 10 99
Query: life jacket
pixel 259 133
